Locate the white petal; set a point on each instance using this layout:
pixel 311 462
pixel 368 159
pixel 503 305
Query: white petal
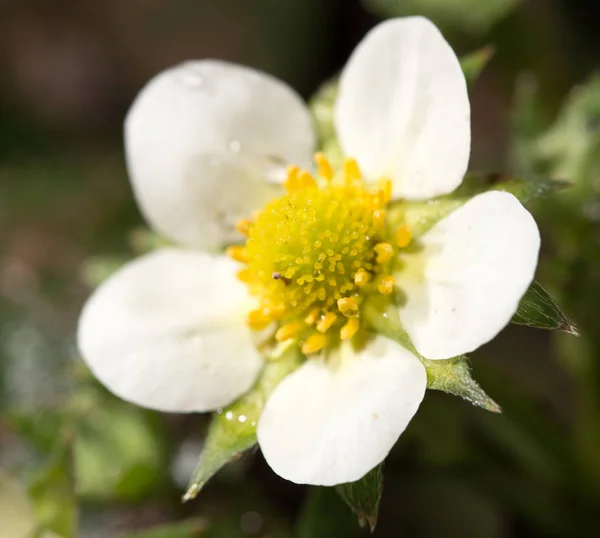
pixel 203 140
pixel 478 263
pixel 403 109
pixel 327 426
pixel 167 332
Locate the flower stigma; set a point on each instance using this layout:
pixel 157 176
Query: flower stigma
pixel 313 256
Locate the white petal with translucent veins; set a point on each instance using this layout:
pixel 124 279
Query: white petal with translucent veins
pixel 326 426
pixel 403 109
pixel 167 332
pixel 203 140
pixel 477 264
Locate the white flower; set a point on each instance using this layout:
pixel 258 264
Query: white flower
pixel 208 144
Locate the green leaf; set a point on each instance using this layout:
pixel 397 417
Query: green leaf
pixel 233 429
pixel 450 375
pixel 454 376
pixel 473 64
pixel 363 496
pixel 538 309
pixel 422 216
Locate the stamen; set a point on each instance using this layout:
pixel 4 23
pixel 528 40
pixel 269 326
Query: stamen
pixel 305 180
pixel 384 252
pixel 313 316
pixel 288 331
pixel 257 320
pixel 326 322
pixel 385 186
pixel 290 184
pixel 379 217
pixel 324 166
pixel 351 170
pixel 361 278
pixel 349 330
pixel 238 254
pixel 403 236
pixel 243 226
pixel 314 343
pixel 386 285
pixel 348 306
pixel 246 275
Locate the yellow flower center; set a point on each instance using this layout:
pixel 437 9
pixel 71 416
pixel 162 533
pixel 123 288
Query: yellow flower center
pixel 314 255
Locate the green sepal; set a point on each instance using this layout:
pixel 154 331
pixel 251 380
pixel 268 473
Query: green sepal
pixel 449 375
pixel 537 309
pixel 474 63
pixel 422 216
pixel 233 429
pixel 364 496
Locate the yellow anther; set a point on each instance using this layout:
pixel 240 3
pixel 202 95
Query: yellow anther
pixel 403 237
pixel 305 180
pixel 313 316
pixel 324 166
pixel 326 322
pixel 257 319
pixel 386 285
pixel 379 217
pixel 238 254
pixel 361 278
pixel 351 170
pixel 291 182
pixel 246 275
pixel 274 311
pixel 243 226
pixel 385 186
pixel 349 330
pixel 348 306
pixel 289 330
pixel 314 343
pixel 384 252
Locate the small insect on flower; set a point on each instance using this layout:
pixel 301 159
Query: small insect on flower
pixel 300 248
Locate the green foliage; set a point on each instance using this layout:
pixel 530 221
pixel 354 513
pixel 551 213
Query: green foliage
pixel 324 515
pixel 233 429
pixel 468 16
pixel 118 450
pixel 364 496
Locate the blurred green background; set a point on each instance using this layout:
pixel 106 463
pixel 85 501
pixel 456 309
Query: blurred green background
pixel 75 461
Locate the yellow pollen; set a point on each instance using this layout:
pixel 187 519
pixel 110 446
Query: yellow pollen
pixel 257 320
pixel 314 343
pixel 386 285
pixel 403 237
pixel 384 251
pixel 351 170
pixel 238 254
pixel 385 186
pixel 324 166
pixel 289 330
pixel 348 306
pixel 326 322
pixel 243 226
pixel 349 330
pixel 379 217
pixel 316 253
pixel 312 317
pixel 361 278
